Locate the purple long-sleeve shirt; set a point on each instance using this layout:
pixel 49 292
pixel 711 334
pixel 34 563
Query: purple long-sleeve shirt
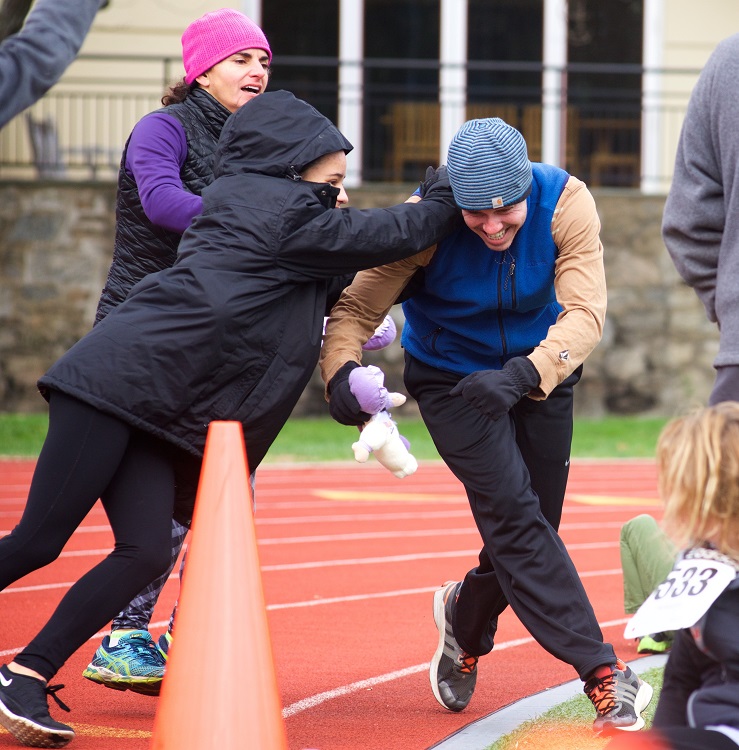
pixel 156 152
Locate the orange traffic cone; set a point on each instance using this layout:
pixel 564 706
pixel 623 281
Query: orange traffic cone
pixel 220 689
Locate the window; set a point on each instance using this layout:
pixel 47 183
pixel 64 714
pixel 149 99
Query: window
pixel 304 38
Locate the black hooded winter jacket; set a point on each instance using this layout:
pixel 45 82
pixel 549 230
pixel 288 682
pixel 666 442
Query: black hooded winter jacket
pixel 233 330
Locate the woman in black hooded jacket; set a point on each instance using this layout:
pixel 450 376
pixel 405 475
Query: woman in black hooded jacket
pixel 231 332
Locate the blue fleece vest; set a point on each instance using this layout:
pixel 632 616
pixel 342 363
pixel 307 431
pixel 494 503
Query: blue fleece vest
pixel 477 307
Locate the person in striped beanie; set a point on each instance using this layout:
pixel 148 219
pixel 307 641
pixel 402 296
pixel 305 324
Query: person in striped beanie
pixel 499 318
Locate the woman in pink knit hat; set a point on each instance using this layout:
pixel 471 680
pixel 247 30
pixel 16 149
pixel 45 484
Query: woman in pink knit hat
pixel 166 164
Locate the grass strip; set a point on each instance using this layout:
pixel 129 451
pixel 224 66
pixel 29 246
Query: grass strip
pixel 568 726
pixel 322 439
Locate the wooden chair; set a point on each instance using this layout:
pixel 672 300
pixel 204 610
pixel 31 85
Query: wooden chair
pixel 614 150
pixel 415 129
pixel 621 170
pixel 507 112
pixel 531 128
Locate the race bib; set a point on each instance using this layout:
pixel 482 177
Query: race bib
pixel 691 587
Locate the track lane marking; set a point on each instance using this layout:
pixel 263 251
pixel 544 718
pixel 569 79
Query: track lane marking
pixel 327 600
pixel 278 567
pixel 316 700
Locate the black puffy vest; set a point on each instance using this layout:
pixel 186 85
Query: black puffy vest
pixel 141 247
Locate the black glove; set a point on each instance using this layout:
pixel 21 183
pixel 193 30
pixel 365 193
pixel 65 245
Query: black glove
pixel 495 392
pixel 342 404
pixel 437 180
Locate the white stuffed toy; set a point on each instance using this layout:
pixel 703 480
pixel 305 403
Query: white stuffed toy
pixel 380 434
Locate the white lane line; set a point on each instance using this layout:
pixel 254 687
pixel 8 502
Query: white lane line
pixel 354 687
pixel 327 600
pixel 316 563
pixel 368 535
pixel 418 516
pixel 383 535
pixel 369 517
pixel 472 553
pixel 78 530
pixel 391 594
pixel 371 560
pixel 329 564
pixel 331 537
pixel 352 517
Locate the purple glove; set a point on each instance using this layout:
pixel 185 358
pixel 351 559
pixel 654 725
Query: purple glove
pixel 383 336
pixel 367 385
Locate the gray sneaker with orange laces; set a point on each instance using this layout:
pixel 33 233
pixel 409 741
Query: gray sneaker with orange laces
pixel 619 696
pixel 453 672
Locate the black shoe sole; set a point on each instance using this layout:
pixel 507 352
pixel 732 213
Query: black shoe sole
pixel 32 734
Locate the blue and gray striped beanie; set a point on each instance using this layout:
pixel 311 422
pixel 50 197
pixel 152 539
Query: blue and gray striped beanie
pixel 488 165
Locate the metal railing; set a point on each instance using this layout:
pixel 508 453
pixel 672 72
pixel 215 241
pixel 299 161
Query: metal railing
pixel 78 130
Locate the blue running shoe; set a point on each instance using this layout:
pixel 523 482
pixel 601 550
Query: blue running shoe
pixel 134 663
pixel 163 644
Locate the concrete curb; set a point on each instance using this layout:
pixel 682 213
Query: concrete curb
pixel 480 734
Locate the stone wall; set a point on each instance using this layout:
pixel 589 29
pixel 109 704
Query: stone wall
pixel 56 242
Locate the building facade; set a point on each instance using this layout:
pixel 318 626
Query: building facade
pixel 598 87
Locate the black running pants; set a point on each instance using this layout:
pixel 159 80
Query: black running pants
pixel 514 471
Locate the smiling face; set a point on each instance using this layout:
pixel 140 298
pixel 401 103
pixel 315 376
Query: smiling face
pixel 497 226
pixel 331 169
pixel 238 78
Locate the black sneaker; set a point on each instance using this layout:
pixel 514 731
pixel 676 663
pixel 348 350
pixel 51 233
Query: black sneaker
pixel 24 711
pixel 453 672
pixel 619 698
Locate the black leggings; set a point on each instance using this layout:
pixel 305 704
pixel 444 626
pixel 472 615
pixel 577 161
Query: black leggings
pixel 89 455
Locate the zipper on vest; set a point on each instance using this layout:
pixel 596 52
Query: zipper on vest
pixel 509 275
pixel 511 278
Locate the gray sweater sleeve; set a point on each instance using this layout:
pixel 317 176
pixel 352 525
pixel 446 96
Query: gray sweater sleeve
pixel 700 225
pixel 35 58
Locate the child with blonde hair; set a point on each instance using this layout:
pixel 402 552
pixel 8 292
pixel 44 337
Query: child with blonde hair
pixel 698 458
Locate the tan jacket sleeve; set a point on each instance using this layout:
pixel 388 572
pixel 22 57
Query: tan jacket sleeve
pixel 579 282
pixel 580 286
pixel 362 307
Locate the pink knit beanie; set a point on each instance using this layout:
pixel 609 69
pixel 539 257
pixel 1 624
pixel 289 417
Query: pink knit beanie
pixel 216 36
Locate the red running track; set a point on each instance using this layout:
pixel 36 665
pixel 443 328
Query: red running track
pixel 350 558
